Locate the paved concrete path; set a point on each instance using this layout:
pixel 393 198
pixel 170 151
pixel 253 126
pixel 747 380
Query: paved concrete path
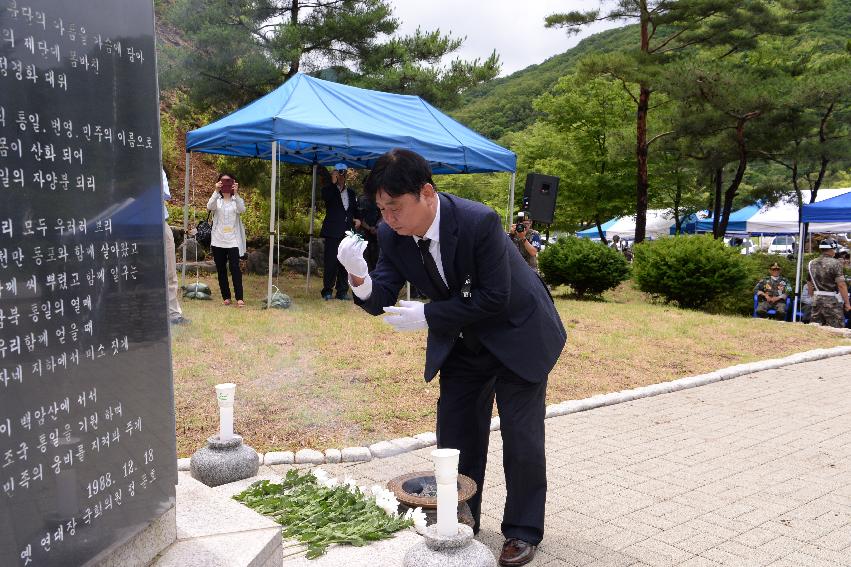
pixel 746 472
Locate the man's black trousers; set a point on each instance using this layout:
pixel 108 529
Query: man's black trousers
pixel 334 274
pixel 468 384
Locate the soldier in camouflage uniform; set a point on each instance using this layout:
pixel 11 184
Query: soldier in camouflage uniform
pixel 771 293
pixel 826 283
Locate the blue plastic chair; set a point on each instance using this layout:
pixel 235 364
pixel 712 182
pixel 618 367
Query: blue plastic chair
pixel 771 312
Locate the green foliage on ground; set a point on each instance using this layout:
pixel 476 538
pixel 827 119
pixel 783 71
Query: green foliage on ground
pixel 690 270
pixel 588 267
pixel 320 516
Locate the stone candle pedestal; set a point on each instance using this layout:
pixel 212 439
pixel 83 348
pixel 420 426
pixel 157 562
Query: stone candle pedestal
pixel 221 462
pixel 418 490
pixel 460 550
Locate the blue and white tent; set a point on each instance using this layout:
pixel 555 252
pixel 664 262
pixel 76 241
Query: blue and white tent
pixel 316 122
pixel 660 222
pixel 834 212
pixel 780 218
pixel 319 123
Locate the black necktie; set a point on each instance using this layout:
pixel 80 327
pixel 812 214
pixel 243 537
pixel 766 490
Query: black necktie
pixel 431 269
pixel 471 341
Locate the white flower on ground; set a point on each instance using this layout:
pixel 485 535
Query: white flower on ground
pixel 419 518
pixel 386 500
pixel 319 474
pixel 323 478
pixel 351 484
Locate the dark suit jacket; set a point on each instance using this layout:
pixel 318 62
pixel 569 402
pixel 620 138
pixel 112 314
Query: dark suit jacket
pixel 337 219
pixel 510 309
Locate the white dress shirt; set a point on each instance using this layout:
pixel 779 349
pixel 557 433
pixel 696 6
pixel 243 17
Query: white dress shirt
pixel 344 196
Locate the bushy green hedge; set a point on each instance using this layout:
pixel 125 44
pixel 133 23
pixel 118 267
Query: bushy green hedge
pixel 586 266
pixel 691 270
pixel 739 300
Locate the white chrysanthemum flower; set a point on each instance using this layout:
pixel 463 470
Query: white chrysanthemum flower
pixel 319 474
pixel 419 518
pixel 351 484
pixel 390 507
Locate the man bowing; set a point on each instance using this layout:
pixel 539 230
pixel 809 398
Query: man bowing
pixel 493 331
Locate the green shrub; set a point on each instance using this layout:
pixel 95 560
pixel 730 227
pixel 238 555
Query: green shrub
pixel 691 270
pixel 586 266
pixel 739 300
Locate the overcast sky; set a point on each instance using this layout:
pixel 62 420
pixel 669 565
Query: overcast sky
pixel 515 29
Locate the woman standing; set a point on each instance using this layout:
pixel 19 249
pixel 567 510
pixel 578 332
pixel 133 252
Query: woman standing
pixel 228 239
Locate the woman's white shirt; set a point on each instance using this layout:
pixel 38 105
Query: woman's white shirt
pixel 227 227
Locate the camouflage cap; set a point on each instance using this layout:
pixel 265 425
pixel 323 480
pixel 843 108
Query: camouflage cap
pixel 775 266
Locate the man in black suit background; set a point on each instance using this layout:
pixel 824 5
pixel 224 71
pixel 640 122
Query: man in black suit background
pixel 493 331
pixel 341 214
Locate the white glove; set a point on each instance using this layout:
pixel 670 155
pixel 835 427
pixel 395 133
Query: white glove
pixel 409 316
pixel 350 254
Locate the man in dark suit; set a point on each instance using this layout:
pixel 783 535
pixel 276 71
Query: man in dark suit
pixel 493 331
pixel 341 214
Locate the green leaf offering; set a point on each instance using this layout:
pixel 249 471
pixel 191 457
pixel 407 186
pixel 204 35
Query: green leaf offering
pixel 318 514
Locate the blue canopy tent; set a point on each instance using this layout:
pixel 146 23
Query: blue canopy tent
pixel 738 223
pixel 314 122
pixel 832 211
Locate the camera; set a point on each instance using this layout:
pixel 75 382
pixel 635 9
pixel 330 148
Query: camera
pixel 519 227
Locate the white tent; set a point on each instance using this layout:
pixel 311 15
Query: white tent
pixel 659 222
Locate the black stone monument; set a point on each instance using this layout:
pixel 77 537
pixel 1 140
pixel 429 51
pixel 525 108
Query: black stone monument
pixel 87 442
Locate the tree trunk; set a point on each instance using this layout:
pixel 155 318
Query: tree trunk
pixel 730 194
pixel 642 184
pixel 295 63
pixel 716 204
pixel 822 138
pixel 678 196
pixel 600 230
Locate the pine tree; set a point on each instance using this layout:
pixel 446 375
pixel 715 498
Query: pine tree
pixel 667 30
pixel 234 52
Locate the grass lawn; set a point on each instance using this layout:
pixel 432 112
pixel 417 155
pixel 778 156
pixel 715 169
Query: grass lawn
pixel 326 374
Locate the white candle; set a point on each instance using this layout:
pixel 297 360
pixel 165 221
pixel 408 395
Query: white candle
pixel 225 395
pixel 446 475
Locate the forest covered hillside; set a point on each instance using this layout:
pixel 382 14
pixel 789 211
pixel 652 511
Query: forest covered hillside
pixel 504 105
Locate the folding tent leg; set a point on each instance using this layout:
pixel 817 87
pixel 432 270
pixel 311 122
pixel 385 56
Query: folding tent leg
pixel 187 179
pixel 272 234
pixel 310 236
pixel 799 268
pixel 510 212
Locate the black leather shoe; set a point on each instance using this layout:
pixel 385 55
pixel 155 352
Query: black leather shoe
pixel 516 552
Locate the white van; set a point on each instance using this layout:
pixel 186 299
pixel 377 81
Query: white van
pixel 783 244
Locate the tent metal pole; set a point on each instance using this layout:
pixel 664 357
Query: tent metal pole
pixel 272 234
pixel 510 212
pixel 310 236
pixel 799 268
pixel 186 180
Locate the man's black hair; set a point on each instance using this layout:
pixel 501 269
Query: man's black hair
pixel 398 172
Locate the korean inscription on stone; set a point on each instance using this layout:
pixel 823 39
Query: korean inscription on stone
pixel 87 445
